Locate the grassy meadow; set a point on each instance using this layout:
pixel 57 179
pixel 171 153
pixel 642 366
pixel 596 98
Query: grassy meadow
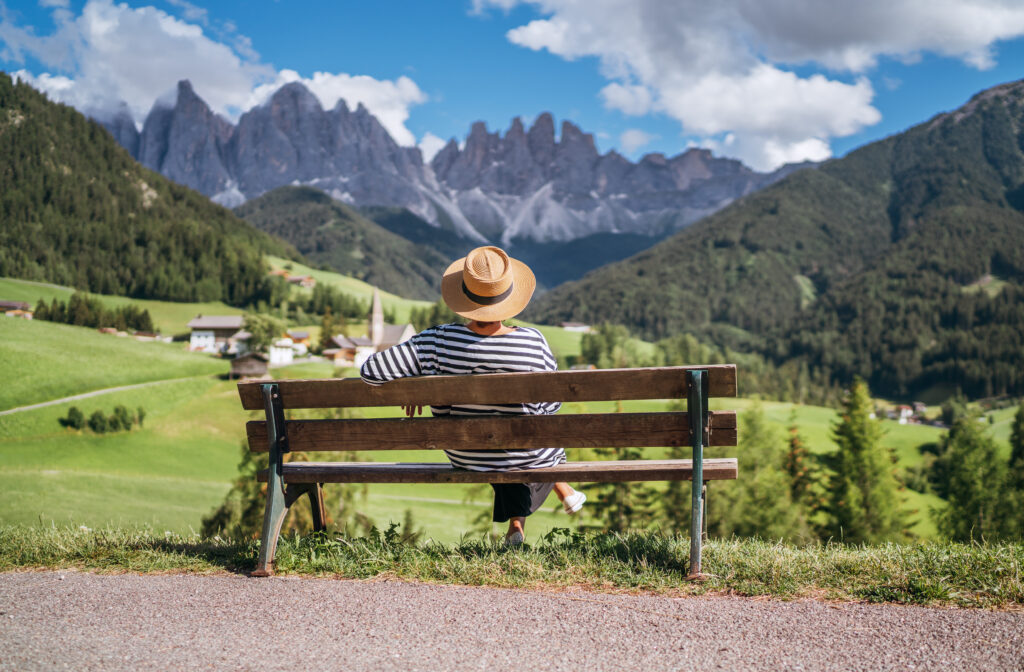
pixel 44 361
pixel 169 317
pixel 176 468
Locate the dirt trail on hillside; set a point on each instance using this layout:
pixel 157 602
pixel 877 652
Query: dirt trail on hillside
pixel 82 621
pixel 96 393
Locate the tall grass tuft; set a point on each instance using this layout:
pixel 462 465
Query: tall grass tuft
pixel 967 575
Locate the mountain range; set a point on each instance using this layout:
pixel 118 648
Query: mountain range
pixel 902 263
pixel 521 186
pixel 76 209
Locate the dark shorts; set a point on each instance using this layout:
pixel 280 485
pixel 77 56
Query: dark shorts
pixel 518 500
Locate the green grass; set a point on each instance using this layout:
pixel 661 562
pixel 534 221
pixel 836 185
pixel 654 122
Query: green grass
pixel 43 361
pixel 350 286
pixel 977 575
pixel 808 293
pixel 169 317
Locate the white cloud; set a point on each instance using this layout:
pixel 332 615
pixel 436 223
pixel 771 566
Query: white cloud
pixel 430 145
pixel 633 139
pixel 722 67
pixel 632 100
pixel 111 53
pixel 53 3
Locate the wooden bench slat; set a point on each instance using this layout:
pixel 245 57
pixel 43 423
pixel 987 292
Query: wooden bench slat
pixel 495 388
pixel 585 472
pixel 497 432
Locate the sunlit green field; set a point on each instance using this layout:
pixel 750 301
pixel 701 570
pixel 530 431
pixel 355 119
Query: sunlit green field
pixel 178 466
pixel 42 361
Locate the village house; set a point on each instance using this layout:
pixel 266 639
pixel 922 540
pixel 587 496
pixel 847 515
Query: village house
pixel 251 365
pixel 16 309
pixel 306 281
pixel 577 326
pixel 349 351
pixel 217 334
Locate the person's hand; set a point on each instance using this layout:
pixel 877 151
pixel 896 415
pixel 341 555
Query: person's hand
pixel 412 410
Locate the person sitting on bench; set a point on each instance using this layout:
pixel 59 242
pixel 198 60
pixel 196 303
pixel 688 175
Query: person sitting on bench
pixel 486 287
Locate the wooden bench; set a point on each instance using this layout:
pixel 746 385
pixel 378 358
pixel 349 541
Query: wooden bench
pixel 287 481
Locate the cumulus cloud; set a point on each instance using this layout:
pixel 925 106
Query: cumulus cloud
pixel 722 69
pixel 633 139
pixel 430 145
pixel 112 53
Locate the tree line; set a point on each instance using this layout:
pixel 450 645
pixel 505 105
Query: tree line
pixel 83 310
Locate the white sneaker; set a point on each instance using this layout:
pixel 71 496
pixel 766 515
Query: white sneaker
pixel 515 539
pixel 574 502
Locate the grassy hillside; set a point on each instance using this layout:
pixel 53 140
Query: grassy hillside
pixel 169 317
pixel 44 361
pixel 352 286
pixel 865 266
pixel 331 233
pixel 78 211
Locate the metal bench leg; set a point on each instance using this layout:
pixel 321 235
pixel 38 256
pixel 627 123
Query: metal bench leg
pixel 316 501
pixel 697 410
pixel 276 507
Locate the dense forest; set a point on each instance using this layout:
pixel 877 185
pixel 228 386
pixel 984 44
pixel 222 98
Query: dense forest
pixel 335 236
pixel 902 263
pixel 77 210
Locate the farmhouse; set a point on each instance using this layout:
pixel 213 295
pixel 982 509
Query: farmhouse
pixel 217 333
pixel 16 309
pixel 349 351
pixel 306 281
pixel 577 326
pixel 251 365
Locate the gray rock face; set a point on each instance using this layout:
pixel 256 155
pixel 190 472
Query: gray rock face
pixel 186 141
pixel 520 185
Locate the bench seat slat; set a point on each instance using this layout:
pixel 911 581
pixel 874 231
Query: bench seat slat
pixel 496 388
pixel 497 432
pixel 581 472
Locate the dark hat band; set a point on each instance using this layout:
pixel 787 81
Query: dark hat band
pixel 486 300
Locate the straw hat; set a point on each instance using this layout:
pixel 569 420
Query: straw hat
pixel 487 285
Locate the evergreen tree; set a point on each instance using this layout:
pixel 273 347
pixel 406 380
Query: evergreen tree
pixel 98 422
pixel 327 330
pixel 975 510
pixel 759 504
pixel 863 501
pixel 797 465
pixel 1015 477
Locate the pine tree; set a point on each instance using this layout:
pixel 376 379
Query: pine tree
pixel 759 504
pixel 975 510
pixel 863 501
pixel 1015 477
pixel 797 465
pixel 326 330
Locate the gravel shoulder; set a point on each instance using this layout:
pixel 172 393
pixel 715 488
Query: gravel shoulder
pixel 75 620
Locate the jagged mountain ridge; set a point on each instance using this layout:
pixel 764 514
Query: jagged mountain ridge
pixel 523 185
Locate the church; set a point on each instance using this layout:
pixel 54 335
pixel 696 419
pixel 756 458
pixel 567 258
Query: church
pixel 380 335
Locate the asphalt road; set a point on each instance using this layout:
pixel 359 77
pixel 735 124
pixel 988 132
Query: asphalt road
pixel 80 621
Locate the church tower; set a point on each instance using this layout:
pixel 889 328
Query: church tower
pixel 376 328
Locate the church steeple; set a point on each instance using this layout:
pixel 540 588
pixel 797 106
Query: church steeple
pixel 376 328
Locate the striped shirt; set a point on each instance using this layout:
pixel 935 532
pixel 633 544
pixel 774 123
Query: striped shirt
pixel 455 349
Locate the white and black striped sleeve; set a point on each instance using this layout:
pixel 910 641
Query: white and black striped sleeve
pixel 398 361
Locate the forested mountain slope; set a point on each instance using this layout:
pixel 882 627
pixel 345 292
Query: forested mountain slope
pixel 330 233
pixel 902 262
pixel 76 209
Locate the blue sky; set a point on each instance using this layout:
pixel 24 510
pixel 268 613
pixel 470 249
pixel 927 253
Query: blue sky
pixel 766 82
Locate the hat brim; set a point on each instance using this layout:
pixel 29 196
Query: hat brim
pixel 523 285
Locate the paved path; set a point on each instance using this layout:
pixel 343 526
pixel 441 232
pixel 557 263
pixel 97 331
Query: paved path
pixel 96 393
pixel 80 621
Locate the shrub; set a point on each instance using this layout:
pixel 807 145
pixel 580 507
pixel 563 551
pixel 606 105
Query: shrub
pixel 98 422
pixel 75 419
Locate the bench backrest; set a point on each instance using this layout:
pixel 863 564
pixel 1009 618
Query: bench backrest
pixel 507 432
